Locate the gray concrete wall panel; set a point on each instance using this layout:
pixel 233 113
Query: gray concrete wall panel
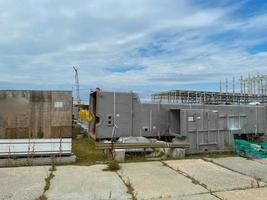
pixel 206 127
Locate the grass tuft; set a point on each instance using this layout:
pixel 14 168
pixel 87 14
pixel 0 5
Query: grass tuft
pixel 112 165
pixel 42 197
pixel 47 181
pixel 53 168
pixel 130 189
pixel 85 151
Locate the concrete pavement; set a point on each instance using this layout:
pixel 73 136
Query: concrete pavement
pixel 86 183
pixel 193 179
pixel 22 183
pixel 250 194
pixel 152 180
pixel 211 176
pixel 255 169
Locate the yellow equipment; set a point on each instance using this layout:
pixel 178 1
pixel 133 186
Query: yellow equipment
pixel 85 115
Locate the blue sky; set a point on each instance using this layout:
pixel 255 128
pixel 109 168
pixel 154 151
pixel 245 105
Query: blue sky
pixel 143 46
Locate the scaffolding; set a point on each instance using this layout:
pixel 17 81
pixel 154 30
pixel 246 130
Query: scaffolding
pixel 252 90
pixel 204 97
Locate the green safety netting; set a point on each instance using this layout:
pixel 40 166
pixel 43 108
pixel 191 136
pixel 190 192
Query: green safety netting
pixel 251 149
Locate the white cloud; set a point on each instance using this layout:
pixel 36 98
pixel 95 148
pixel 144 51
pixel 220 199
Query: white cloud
pixel 177 42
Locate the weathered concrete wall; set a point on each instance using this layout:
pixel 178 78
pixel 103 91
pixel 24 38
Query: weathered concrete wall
pixel 35 114
pixel 206 127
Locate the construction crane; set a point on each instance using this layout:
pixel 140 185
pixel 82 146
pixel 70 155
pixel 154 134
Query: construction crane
pixel 83 115
pixel 77 87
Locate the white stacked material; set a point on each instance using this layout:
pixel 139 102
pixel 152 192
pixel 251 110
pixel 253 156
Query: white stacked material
pixel 119 154
pixel 24 147
pixel 178 153
pixel 133 140
pixel 172 152
pixel 35 161
pixel 129 140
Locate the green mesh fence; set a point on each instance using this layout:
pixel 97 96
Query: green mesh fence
pixel 251 149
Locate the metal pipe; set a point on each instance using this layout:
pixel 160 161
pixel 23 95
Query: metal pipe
pixel 220 86
pixel 233 83
pixel 150 121
pixel 244 86
pixel 241 85
pixel 226 86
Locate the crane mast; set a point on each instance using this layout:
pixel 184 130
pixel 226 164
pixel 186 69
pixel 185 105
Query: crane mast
pixel 77 87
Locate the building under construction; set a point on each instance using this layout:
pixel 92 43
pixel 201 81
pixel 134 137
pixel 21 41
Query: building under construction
pixel 252 90
pixel 205 97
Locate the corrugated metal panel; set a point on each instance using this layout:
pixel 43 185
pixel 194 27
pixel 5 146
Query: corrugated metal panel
pixel 22 147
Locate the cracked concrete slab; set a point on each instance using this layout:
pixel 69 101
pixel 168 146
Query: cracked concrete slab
pixel 86 183
pixel 262 161
pixel 249 194
pixel 211 176
pixel 153 180
pixel 198 197
pixel 22 183
pixel 249 167
pixel 190 197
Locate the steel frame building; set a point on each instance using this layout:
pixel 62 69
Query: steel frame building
pixel 204 97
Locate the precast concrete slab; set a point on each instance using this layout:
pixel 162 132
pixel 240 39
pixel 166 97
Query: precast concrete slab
pixel 198 197
pixel 211 176
pixel 22 183
pixel 190 197
pixel 249 194
pixel 249 167
pixel 86 183
pixel 262 161
pixel 153 180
